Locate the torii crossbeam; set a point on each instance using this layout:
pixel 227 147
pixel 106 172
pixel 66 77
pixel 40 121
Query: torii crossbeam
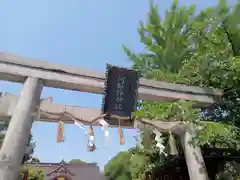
pixel 16 69
pixel 51 112
pixel 36 74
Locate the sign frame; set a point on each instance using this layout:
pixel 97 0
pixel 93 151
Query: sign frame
pixel 121 85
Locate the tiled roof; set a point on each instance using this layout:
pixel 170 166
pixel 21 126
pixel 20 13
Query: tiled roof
pixel 78 171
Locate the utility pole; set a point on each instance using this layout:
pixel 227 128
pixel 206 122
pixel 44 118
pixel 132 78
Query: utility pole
pixel 16 138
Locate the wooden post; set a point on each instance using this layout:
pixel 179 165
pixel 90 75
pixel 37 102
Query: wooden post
pixel 194 159
pixel 16 138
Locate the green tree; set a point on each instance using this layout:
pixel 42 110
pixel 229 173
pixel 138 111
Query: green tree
pixel 75 161
pixel 36 174
pixel 31 144
pixel 33 173
pixel 34 160
pixel 193 49
pixel 118 167
pixel 29 155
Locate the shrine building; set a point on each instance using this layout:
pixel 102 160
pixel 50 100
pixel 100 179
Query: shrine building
pixel 69 171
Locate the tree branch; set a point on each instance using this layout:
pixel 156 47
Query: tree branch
pixel 230 40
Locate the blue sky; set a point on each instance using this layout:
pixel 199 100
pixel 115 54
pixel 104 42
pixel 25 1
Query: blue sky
pixel 78 33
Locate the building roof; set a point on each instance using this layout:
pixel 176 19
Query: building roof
pixel 76 171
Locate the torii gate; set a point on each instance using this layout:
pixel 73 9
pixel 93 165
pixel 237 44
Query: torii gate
pixel 35 74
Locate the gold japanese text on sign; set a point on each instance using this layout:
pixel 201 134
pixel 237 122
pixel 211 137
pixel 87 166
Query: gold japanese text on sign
pixel 120 93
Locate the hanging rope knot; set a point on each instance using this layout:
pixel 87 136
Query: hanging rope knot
pixel 91 144
pixel 65 110
pixel 60 132
pixel 120 133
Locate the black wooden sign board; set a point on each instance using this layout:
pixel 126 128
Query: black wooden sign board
pixel 121 91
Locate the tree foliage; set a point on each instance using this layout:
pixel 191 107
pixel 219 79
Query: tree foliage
pixel 118 167
pixel 29 155
pixel 75 161
pixel 31 144
pixel 34 173
pixel 192 49
pixel 34 160
pixel 200 49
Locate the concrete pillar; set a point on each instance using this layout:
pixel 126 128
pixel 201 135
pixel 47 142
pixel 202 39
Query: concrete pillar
pixel 194 159
pixel 16 138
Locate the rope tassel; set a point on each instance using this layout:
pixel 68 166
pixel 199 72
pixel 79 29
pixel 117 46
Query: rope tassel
pixel 91 144
pixel 121 137
pixel 158 138
pixel 105 127
pixel 120 133
pixel 60 132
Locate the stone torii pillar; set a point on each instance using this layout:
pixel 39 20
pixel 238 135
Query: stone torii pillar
pixel 193 157
pixel 16 138
pixel 186 132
